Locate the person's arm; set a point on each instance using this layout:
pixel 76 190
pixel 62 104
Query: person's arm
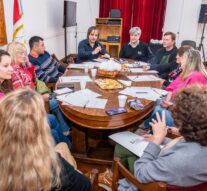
pixel 152 167
pixel 83 52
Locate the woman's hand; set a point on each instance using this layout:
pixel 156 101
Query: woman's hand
pixel 165 104
pixel 159 128
pixel 46 96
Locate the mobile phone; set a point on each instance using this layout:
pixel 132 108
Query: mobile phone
pixel 116 111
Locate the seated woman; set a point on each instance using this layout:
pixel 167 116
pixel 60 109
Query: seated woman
pixel 193 72
pixel 24 76
pixel 28 157
pixel 6 71
pixel 90 48
pixel 174 163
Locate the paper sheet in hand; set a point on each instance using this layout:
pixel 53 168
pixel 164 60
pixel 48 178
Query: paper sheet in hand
pixel 131 141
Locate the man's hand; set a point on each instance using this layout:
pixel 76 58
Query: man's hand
pixel 106 56
pixel 146 67
pixel 97 50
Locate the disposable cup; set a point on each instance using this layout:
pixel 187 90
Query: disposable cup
pixel 82 84
pixel 93 72
pixel 122 100
pixel 86 68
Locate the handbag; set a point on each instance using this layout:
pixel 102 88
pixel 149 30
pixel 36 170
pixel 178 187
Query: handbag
pixel 41 87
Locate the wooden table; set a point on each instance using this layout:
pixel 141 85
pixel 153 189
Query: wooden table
pixel 91 127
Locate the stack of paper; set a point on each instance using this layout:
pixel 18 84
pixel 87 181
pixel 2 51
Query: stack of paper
pixel 131 141
pixel 144 78
pixel 72 79
pixel 84 98
pixel 140 70
pixel 63 91
pixel 144 92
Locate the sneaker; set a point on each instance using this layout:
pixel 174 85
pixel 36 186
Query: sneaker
pixel 105 180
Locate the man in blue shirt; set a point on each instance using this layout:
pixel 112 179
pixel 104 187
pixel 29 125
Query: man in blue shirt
pixel 90 48
pixel 46 68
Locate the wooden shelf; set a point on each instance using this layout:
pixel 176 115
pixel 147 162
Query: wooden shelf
pixel 107 29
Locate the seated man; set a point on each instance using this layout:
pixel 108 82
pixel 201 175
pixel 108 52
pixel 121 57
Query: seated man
pixel 90 48
pixel 165 57
pixel 135 49
pixel 46 68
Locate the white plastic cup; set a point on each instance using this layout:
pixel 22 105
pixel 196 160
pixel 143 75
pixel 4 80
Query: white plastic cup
pixel 93 72
pixel 122 100
pixel 86 68
pixel 82 84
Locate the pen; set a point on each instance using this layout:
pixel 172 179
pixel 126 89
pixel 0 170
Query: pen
pixel 135 78
pixel 141 92
pixel 86 104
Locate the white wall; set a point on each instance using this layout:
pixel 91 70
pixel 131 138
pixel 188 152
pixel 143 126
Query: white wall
pixel 45 18
pixel 182 18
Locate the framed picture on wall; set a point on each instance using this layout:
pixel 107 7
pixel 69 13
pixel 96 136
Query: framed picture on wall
pixel 3 37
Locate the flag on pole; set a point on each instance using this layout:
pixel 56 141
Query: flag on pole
pixel 18 31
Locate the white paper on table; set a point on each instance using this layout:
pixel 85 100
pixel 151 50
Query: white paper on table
pixel 72 79
pixel 125 82
pixel 140 70
pixel 96 103
pixel 141 92
pixel 131 141
pixel 100 60
pixel 144 78
pixel 136 64
pixel 160 91
pixel 63 91
pixel 79 98
pixel 76 66
pixel 92 64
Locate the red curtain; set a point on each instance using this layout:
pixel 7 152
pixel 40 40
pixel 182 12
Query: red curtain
pixel 147 14
pixel 125 7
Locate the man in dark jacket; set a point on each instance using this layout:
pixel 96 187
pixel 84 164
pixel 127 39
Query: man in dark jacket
pixel 165 57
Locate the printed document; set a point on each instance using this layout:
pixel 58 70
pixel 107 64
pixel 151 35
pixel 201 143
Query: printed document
pixel 131 141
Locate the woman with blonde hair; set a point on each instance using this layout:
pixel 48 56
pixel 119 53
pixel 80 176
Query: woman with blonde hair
pixel 24 76
pixel 28 157
pixel 193 72
pixel 6 71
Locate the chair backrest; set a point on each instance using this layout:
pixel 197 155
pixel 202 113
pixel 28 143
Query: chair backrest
pixel 189 42
pixel 155 186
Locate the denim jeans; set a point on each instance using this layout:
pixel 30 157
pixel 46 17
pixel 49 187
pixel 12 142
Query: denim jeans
pixel 56 131
pixel 54 107
pixel 158 108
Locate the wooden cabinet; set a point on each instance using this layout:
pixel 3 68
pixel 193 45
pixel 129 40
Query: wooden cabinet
pixel 3 38
pixel 110 34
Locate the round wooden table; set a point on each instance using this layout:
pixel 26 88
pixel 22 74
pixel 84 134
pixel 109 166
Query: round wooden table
pixel 92 126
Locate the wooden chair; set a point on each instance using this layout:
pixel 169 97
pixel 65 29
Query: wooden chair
pixel 154 186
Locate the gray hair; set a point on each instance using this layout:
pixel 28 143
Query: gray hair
pixel 135 30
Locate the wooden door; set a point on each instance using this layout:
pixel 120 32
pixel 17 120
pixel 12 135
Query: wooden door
pixel 3 37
